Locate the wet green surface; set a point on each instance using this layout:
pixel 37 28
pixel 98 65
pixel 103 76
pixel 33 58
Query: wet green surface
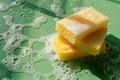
pixel 31 9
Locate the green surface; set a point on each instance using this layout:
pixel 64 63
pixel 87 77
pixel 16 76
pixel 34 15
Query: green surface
pixel 30 9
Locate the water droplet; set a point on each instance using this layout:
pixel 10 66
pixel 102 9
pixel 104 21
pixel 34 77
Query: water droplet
pixel 41 66
pixel 38 46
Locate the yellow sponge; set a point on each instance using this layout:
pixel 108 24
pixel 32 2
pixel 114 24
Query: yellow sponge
pixel 93 43
pixel 79 26
pixel 65 50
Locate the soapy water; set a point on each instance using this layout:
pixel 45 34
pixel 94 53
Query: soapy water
pixel 25 60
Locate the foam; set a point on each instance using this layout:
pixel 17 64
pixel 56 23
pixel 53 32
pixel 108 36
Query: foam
pixel 38 21
pixel 16 2
pixel 24 62
pixel 4 7
pixel 75 27
pixel 77 9
pixel 56 8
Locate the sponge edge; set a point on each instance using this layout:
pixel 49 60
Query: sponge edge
pixel 65 50
pixel 103 48
pixel 93 43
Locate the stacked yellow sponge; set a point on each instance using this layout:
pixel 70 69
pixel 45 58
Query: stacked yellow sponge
pixel 81 34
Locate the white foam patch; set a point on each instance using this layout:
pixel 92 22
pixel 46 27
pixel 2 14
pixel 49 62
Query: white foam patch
pixel 56 8
pixel 38 21
pixel 4 7
pixel 77 9
pixel 75 27
pixel 16 2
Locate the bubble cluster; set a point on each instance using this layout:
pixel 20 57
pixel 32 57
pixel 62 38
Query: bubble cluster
pixel 24 61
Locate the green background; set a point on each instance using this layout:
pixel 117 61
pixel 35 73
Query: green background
pixel 34 8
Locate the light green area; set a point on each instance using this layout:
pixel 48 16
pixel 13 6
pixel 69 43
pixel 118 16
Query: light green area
pixel 38 46
pixel 21 76
pixel 44 66
pixel 28 11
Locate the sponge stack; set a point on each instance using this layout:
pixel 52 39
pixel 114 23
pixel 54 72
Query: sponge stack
pixel 81 34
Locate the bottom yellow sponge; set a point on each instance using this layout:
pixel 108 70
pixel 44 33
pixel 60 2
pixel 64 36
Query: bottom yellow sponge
pixel 65 50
